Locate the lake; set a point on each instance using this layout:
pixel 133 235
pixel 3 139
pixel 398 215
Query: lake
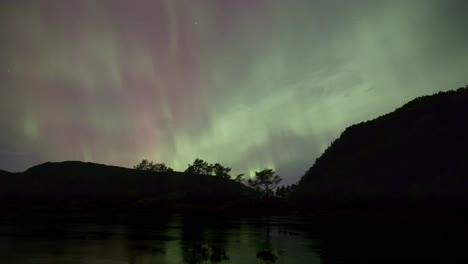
pixel 177 239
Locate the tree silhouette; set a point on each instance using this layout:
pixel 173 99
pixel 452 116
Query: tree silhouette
pixel 199 166
pixel 239 178
pixel 161 167
pixel 221 171
pixel 143 165
pixel 265 181
pixel 150 166
pixel 285 192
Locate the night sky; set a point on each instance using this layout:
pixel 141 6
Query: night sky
pixel 247 83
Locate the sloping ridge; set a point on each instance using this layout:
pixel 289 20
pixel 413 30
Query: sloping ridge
pixel 84 182
pixel 3 172
pixel 416 154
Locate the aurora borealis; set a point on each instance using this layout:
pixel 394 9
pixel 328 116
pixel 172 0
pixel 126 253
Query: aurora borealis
pixel 247 83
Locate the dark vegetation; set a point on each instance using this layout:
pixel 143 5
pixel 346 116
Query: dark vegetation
pixel 265 181
pixel 149 187
pixel 146 165
pixel 200 166
pixel 78 185
pixel 414 157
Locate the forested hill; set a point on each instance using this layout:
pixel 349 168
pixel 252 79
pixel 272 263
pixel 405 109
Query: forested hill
pixel 73 183
pixel 417 154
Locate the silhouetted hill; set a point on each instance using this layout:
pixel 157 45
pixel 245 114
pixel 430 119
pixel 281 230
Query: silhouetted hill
pixel 2 172
pixel 417 154
pixel 78 184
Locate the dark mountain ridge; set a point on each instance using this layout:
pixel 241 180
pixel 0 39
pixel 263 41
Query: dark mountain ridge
pixel 417 154
pixel 74 183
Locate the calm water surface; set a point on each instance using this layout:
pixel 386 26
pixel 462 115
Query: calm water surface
pixel 174 239
pixel 178 239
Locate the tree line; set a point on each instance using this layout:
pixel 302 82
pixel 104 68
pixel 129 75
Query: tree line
pixel 265 181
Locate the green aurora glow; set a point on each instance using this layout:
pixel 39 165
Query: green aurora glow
pixel 249 84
